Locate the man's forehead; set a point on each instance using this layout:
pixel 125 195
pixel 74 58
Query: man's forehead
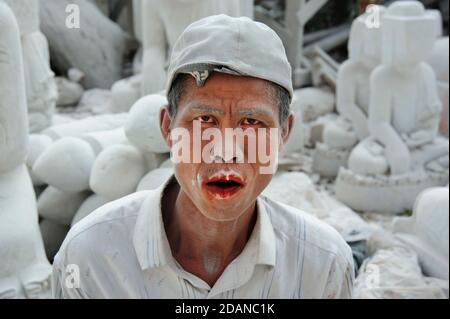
pixel 227 83
pixel 219 87
pixel 240 108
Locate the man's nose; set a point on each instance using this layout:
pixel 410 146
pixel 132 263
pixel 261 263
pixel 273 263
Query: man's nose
pixel 227 150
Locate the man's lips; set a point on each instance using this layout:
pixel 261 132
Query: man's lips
pixel 224 186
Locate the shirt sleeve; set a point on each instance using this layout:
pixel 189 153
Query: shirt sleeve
pixel 340 280
pixel 66 281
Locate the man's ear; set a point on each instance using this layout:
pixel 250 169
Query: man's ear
pixel 165 122
pixel 287 128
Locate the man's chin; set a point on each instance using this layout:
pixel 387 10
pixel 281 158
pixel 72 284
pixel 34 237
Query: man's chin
pixel 220 209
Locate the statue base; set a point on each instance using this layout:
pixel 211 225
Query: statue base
pixel 385 194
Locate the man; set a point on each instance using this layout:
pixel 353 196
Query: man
pixel 207 232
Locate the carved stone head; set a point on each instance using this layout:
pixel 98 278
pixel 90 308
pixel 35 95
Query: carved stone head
pixel 409 32
pixel 365 35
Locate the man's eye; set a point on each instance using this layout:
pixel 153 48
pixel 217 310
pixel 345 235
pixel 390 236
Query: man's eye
pixel 249 121
pixel 205 119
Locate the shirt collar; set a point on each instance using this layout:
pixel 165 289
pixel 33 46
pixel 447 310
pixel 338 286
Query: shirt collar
pixel 152 246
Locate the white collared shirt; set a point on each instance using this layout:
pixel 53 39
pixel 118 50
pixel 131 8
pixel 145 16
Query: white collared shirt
pixel 121 251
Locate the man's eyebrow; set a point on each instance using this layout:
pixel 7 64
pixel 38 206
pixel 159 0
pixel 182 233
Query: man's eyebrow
pixel 207 109
pixel 254 111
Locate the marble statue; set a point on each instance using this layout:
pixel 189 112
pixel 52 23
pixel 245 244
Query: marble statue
pixel 403 153
pixel 158 24
pixel 308 105
pixel 24 269
pixel 41 89
pixel 339 134
pixel 439 61
pixel 427 231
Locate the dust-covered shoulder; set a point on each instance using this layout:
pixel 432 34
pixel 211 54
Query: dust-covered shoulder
pixel 112 222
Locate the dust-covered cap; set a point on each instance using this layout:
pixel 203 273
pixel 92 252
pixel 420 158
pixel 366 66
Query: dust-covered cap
pixel 238 46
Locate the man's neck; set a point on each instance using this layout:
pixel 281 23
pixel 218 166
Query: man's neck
pixel 202 246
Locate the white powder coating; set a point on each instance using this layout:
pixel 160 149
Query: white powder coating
pixel 226 173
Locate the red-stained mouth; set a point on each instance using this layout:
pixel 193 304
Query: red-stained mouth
pixel 224 186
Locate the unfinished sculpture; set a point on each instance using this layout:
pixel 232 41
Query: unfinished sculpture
pixel 59 206
pixel 159 23
pixel 427 231
pixel 298 190
pixel 439 61
pixel 124 163
pixel 24 269
pixel 67 163
pixel 40 84
pixel 98 38
pixel 339 134
pixel 143 125
pixel 394 273
pixel 403 154
pixel 37 145
pixel 308 104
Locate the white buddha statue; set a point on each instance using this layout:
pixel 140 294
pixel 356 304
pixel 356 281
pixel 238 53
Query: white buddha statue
pixel 161 23
pixel 403 153
pixel 40 85
pixel 24 269
pixel 341 133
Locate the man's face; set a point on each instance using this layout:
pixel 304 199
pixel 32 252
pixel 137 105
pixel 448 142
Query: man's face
pixel 222 176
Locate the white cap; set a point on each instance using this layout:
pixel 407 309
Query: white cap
pixel 237 46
